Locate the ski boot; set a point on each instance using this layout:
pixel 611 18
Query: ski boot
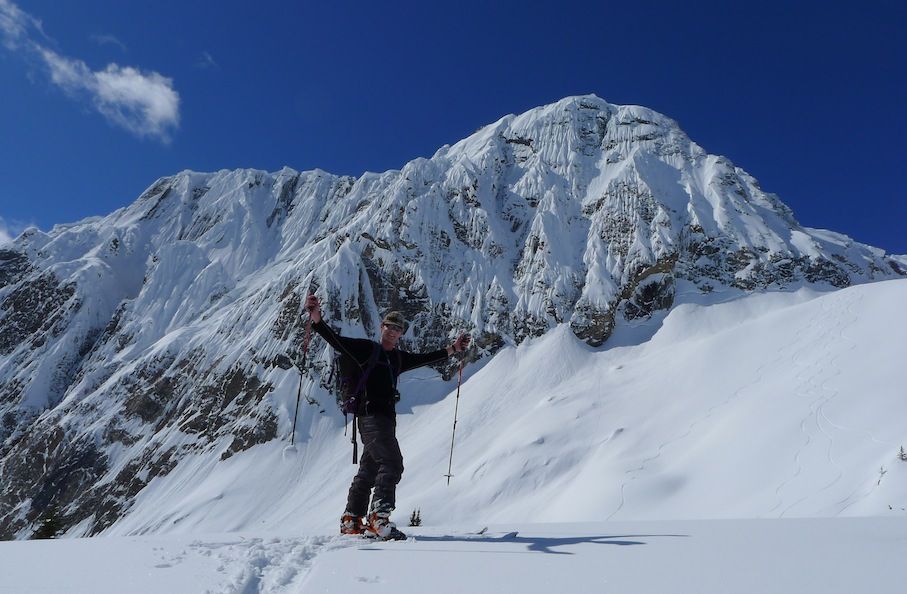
pixel 351 524
pixel 379 526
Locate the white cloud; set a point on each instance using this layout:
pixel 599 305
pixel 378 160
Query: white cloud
pixel 15 24
pixel 206 62
pixel 108 39
pixel 9 232
pixel 142 102
pixel 64 72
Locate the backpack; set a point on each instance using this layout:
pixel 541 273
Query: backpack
pixel 350 378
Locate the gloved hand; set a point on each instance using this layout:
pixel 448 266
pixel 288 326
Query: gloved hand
pixel 313 306
pixel 461 343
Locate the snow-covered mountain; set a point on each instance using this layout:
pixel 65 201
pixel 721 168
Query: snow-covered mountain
pixel 154 346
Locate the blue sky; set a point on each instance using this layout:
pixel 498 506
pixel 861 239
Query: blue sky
pixel 98 98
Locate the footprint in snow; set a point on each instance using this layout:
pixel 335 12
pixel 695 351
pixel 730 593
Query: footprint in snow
pixel 371 580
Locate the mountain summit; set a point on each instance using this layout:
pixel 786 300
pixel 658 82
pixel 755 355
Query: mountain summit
pixel 133 342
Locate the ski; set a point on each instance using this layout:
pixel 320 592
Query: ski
pixel 481 534
pixel 394 535
pixel 485 534
pixel 372 537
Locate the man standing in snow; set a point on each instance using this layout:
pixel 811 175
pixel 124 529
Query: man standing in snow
pixel 381 464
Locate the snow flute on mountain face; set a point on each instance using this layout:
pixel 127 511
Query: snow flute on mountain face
pixel 381 464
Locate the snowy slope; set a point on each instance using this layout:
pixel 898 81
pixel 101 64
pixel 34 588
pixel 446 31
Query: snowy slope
pixel 827 556
pixel 146 356
pixel 776 405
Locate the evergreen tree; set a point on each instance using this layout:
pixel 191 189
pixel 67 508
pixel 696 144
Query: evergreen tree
pixel 49 526
pixel 415 519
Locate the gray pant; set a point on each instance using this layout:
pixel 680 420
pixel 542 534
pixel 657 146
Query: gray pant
pixel 380 466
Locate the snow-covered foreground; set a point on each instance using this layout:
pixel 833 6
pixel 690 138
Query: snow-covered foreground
pixel 827 556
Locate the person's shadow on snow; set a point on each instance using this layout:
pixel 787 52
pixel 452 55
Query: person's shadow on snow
pixel 544 544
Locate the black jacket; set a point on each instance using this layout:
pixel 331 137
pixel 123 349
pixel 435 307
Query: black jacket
pixel 381 385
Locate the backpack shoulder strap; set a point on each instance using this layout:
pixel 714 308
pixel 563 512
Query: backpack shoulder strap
pixel 372 357
pixel 367 368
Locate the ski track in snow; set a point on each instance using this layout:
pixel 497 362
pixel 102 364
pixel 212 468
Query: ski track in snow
pixel 852 348
pixel 858 494
pixel 277 565
pixel 801 389
pixel 812 379
pixel 262 566
pixel 635 473
pixel 838 314
pixel 848 309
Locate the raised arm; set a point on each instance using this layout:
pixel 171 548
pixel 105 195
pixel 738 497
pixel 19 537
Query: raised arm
pixel 459 345
pixel 313 306
pixel 356 348
pixel 414 360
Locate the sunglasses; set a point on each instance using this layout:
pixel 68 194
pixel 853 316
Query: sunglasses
pixel 393 327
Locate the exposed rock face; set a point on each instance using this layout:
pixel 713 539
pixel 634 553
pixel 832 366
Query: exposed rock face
pixel 130 342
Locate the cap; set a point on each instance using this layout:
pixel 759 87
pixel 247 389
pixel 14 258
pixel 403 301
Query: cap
pixel 396 318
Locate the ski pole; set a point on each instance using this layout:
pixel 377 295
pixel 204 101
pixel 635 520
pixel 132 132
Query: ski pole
pixel 305 350
pixel 454 433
